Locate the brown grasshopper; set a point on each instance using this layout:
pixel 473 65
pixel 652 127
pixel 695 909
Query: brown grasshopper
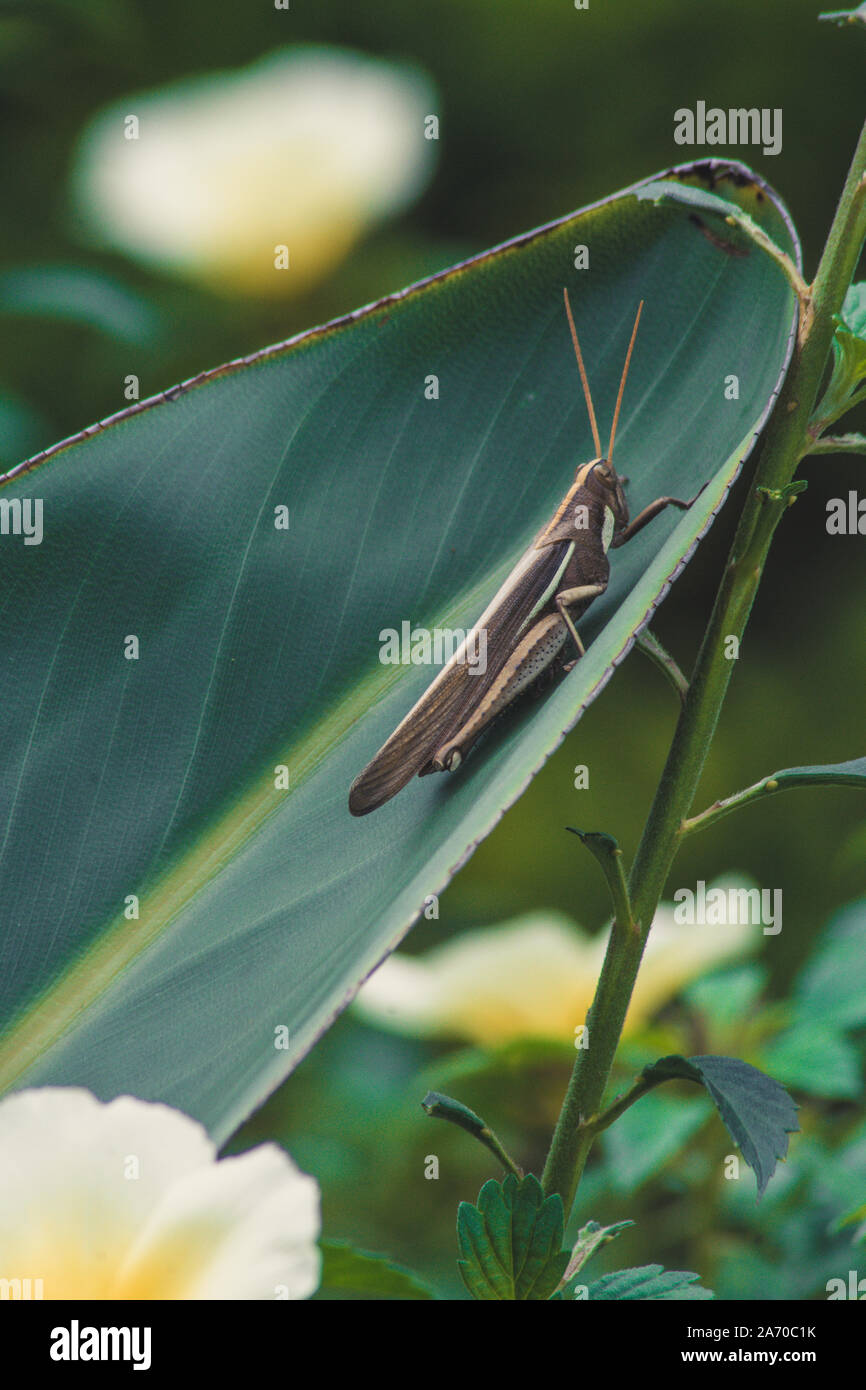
pixel 527 624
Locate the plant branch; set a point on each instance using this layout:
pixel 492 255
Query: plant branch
pixel 838 444
pixel 444 1108
pixel 764 507
pixel 605 1119
pixel 609 855
pixel 852 774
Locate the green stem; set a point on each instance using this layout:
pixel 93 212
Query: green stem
pixel 838 444
pixel 781 781
pixel 764 507
pixel 597 1123
pixel 730 803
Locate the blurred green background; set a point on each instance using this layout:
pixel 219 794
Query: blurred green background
pixel 542 109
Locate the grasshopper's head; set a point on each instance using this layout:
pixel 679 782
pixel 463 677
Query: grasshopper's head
pixel 603 486
pixel 609 487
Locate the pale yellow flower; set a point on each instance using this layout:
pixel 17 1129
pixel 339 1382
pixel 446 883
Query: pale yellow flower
pixel 535 977
pixel 127 1200
pixel 306 149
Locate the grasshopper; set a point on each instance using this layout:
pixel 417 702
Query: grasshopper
pixel 528 624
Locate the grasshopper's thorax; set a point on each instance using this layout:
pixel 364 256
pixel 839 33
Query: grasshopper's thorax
pixel 593 510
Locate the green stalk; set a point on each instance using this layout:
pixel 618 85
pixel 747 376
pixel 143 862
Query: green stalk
pixel 790 780
pixel 767 501
pixel 839 444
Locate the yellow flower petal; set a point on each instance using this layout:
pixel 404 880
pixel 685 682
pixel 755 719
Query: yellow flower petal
pixel 306 149
pixel 127 1200
pixel 535 977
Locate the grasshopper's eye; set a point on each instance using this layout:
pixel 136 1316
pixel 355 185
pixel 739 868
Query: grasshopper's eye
pixel 604 471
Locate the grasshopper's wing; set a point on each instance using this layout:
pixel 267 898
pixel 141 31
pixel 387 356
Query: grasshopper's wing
pixel 451 697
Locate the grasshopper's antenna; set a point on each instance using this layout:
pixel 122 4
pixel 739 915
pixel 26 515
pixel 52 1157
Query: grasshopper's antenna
pixel 583 379
pixel 622 383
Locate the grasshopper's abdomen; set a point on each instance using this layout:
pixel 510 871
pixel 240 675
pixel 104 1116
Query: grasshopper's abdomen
pixel 531 657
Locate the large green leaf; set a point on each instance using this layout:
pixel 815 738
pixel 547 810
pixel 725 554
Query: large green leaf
pixel 262 909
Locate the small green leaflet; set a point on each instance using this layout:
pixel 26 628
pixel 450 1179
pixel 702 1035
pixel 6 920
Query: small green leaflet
pixel 849 361
pixel 757 1112
pixel 511 1242
pixel 648 1281
pixel 590 1238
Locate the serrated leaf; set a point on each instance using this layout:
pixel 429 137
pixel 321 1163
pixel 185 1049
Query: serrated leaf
pixel 649 1281
pixel 482 1273
pixel 346 1269
pixel 757 1112
pixel 511 1243
pixel 590 1238
pixel 263 907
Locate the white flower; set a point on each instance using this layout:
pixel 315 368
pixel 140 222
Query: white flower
pixel 307 148
pixel 127 1200
pixel 535 976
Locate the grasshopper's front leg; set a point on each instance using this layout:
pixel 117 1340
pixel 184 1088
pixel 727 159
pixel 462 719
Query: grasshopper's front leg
pixel 534 654
pixel 648 513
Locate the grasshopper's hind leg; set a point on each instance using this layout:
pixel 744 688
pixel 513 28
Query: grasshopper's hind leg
pixel 532 655
pixel 583 594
